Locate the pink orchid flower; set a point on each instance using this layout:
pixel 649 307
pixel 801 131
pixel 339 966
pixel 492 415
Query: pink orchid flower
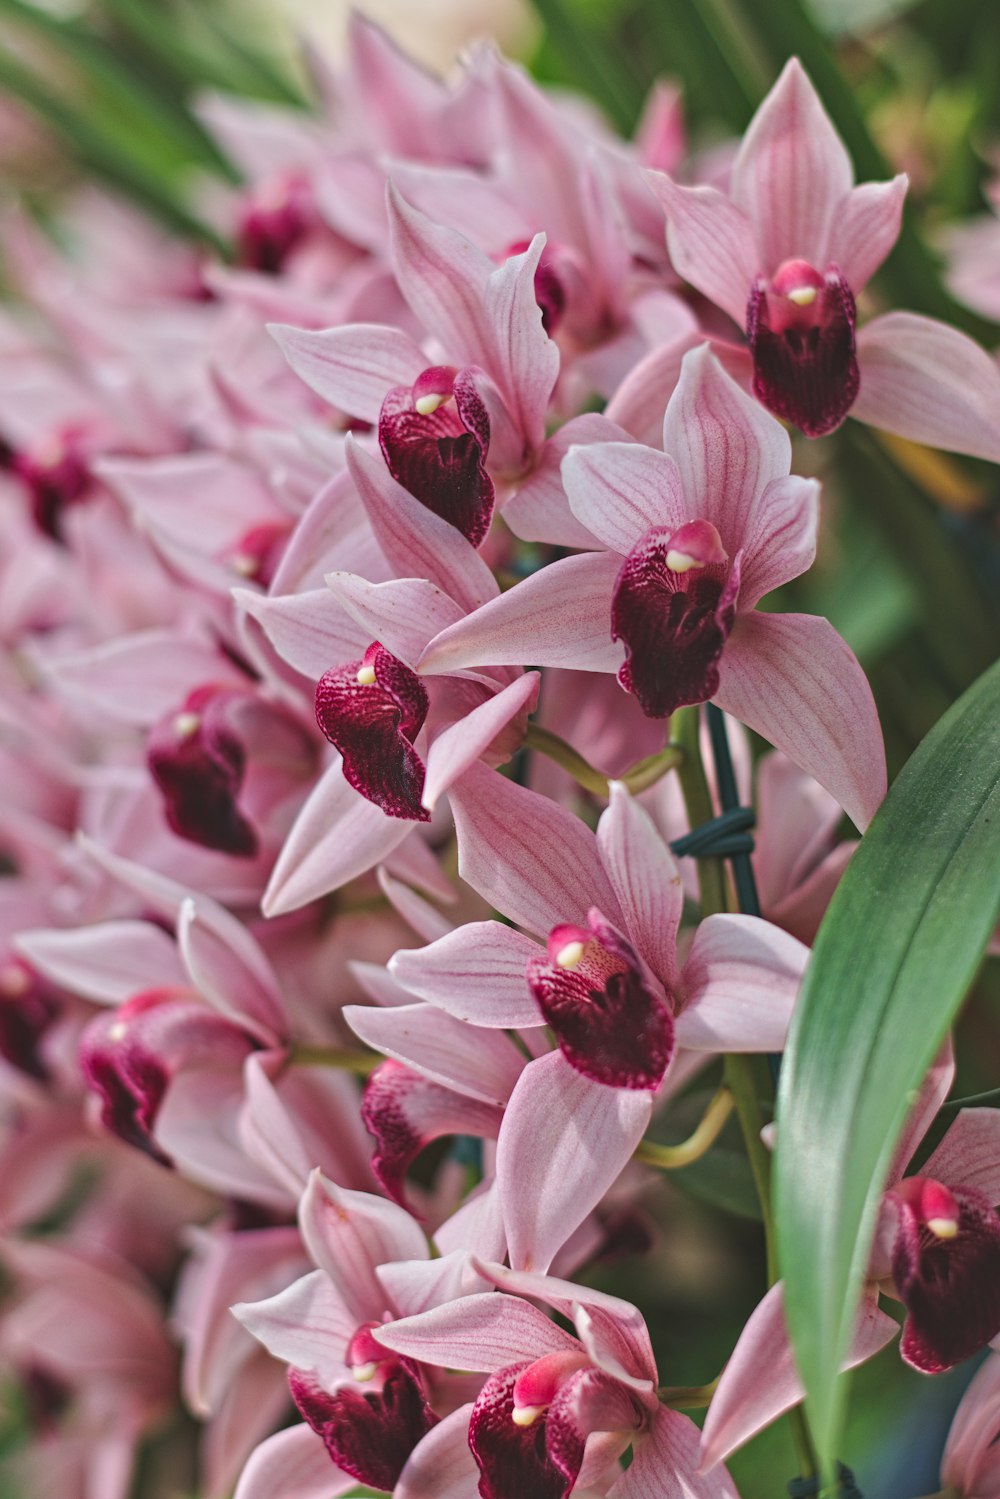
pixel 556 1411
pixel 937 1249
pixel 695 537
pixel 788 252
pixel 970 1464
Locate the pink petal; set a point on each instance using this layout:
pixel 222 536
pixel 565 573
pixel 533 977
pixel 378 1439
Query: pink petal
pixel 442 1465
pixel 791 173
pixel 444 278
pixel 865 228
pixel 792 679
pixel 641 399
pixel 539 509
pixel 458 746
pixel 138 678
pixel 425 919
pixel 760 1381
pixel 293 1464
pixel 403 614
pixel 484 1333
pixel 311 630
pixel 476 973
pixel 106 963
pixel 198 1127
pixel 351 367
pixel 926 381
pixel 728 450
pixel 228 967
pixel 524 360
pixel 969 1154
pixel 478 1064
pixel 976 1423
pixel 336 836
pixel 297 1118
pixel 711 243
pixel 619 490
pixel 740 983
pixel 417 1285
pixel 664 1464
pixel 781 537
pixel 530 858
pixel 333 531
pixel 348 1234
pixel 414 539
pixel 560 616
pixel 645 879
pixel 563 1142
pixel 307 1325
pixel 933 1091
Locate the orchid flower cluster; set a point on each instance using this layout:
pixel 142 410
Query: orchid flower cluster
pixel 359 597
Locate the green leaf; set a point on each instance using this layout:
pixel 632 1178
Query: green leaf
pixel 894 958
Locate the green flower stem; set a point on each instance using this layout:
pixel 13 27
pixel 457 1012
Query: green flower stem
pixel 360 1063
pixel 639 777
pixel 698 802
pixel 687 1397
pixel 673 1157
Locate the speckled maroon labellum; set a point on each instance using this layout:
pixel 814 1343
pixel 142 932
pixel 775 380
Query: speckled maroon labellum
pixel 800 328
pixel 368 1432
pixel 273 222
pixel 946 1268
pixel 372 710
pixel 673 606
pixel 27 1009
pixel 198 762
pixel 435 436
pixel 609 1023
pixel 56 476
pixel 512 1457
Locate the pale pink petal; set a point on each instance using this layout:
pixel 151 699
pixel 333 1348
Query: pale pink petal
pixel 739 985
pixel 865 228
pixel 138 678
pixel 477 1226
pixel 620 490
pixel 198 1127
pixel 641 399
pixel 563 1143
pixel 417 1285
pixel 793 680
pixel 711 243
pixel 760 1381
pixel 791 173
pixel 797 823
pixel 228 968
pixel 924 380
pixel 727 447
pixel 311 630
pixel 530 858
pixel 403 614
pixel 293 1464
pixel 333 532
pixel 969 1154
pixel 253 1404
pixel 560 616
pixel 307 1325
pixel 476 973
pixel 297 1118
pixel 414 539
pixel 336 836
pixel 933 1091
pixel 482 1333
pixel 524 361
pixel 781 537
pixel 444 278
pixel 352 367
pixel 479 1064
pixel 349 1233
pixel 976 1422
pixel 463 742
pixel 539 509
pixel 425 919
pixel 107 963
pixel 442 1465
pixel 664 1464
pixel 646 880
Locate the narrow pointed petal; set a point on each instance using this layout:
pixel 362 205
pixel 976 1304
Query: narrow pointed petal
pixel 309 630
pixel 307 1325
pixel 563 1143
pixel 645 878
pixel 444 277
pixel 641 399
pixel 530 858
pixel 969 1154
pixel 525 361
pixel 352 367
pixel 229 969
pixel 792 679
pixel 483 1332
pixel 140 677
pixel 458 746
pixel 930 383
pixel 106 963
pixel 976 1422
pixel 781 540
pixel 425 919
pixel 293 1464
pixel 865 228
pixel 539 509
pixel 619 490
pixel 664 1464
pixel 726 446
pixel 476 973
pixel 760 1381
pixel 739 985
pixel 792 173
pixel 459 1056
pixel 710 241
pixel 336 836
pixel 441 1467
pixel 404 613
pixel 348 1234
pixel 560 616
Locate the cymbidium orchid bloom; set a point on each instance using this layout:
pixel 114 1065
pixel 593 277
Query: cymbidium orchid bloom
pixel 557 1411
pixel 936 1249
pixel 970 1464
pixel 787 254
pixel 696 536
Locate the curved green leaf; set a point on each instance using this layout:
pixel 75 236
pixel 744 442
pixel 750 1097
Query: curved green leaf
pixel 894 958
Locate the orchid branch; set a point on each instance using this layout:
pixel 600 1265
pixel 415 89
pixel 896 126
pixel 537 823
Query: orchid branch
pixel 708 1130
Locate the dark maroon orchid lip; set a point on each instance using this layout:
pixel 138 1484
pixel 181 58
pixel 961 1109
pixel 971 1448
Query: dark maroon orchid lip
pixel 371 710
pixel 198 762
pixel 800 328
pixel 371 1427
